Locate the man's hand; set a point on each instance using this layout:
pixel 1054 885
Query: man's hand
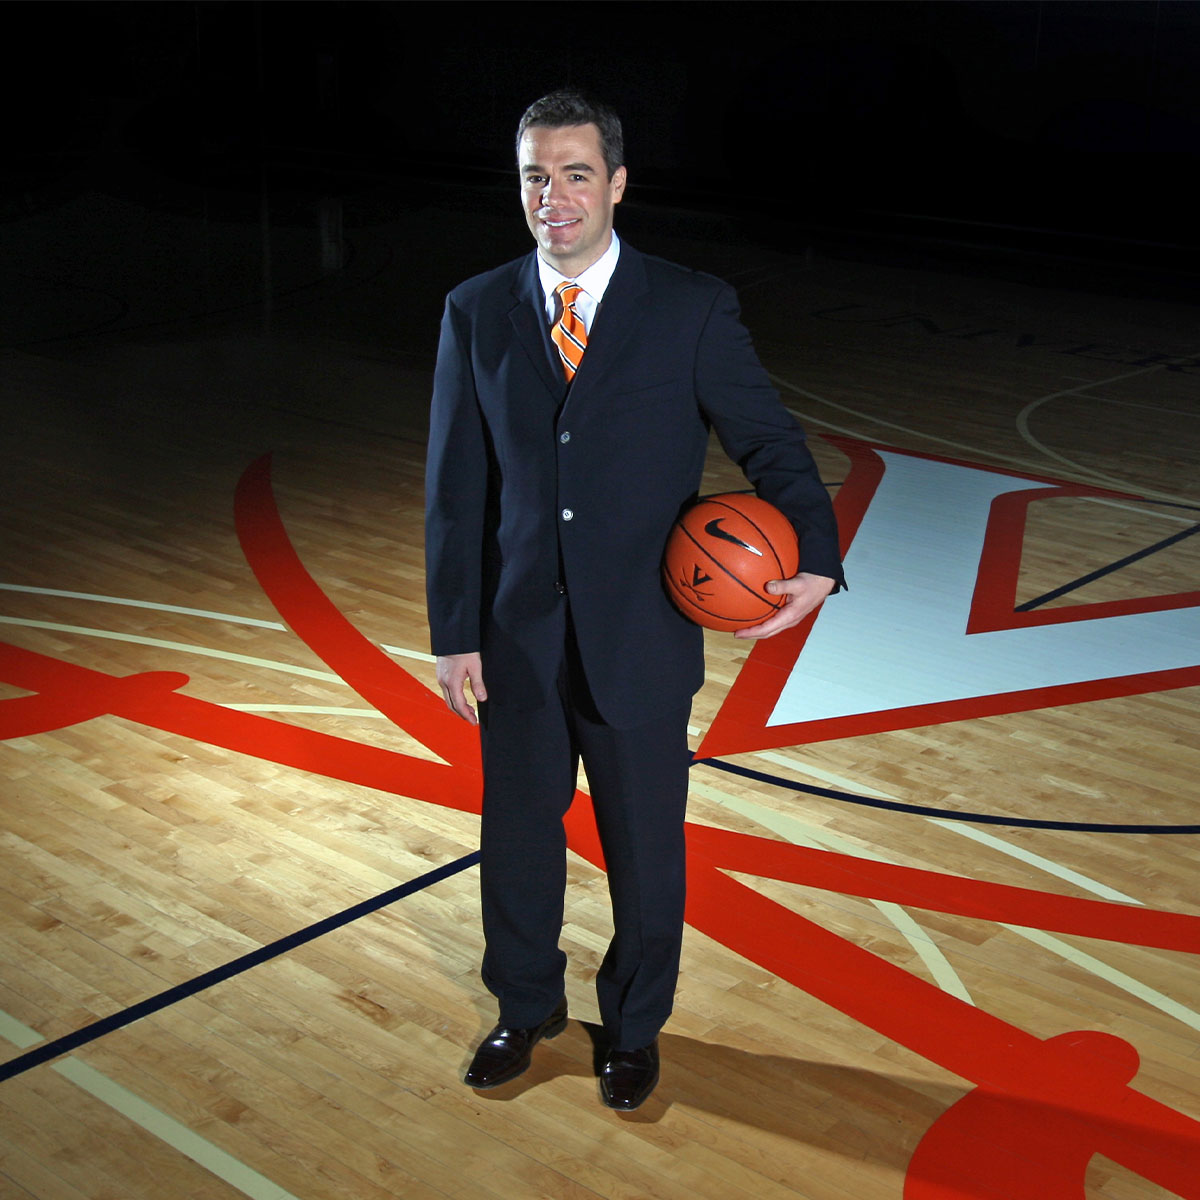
pixel 804 592
pixel 454 671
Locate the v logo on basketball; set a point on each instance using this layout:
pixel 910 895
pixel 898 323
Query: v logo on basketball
pixel 698 579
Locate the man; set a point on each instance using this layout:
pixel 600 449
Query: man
pixel 568 430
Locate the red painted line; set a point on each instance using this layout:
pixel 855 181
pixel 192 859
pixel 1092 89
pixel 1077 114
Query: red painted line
pixel 325 630
pixel 1074 1086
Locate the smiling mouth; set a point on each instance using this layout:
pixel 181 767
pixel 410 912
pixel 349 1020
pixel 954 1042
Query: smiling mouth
pixel 561 224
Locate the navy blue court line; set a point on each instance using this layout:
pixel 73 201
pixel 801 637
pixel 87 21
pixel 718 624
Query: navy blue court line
pixel 97 1029
pixel 944 813
pixel 1110 569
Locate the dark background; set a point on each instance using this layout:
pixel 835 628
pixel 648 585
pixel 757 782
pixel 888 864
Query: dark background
pixel 1000 129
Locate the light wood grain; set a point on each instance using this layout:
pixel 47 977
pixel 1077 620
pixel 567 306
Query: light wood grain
pixel 132 860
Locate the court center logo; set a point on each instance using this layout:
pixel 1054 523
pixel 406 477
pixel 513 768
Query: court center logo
pixel 1034 1110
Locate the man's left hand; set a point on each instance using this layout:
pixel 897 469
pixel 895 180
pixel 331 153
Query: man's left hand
pixel 804 592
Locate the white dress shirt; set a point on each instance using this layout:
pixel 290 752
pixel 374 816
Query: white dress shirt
pixel 594 282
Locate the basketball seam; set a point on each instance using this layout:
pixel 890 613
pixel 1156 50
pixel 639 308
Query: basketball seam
pixel 763 596
pixel 734 622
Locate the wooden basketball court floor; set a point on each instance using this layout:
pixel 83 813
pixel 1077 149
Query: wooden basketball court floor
pixel 943 917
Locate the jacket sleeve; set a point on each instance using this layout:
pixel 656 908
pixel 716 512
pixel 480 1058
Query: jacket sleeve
pixel 761 436
pixel 456 473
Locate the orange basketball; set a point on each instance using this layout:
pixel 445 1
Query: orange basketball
pixel 720 556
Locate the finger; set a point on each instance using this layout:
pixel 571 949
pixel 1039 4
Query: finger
pixel 766 629
pixel 790 613
pixel 780 621
pixel 462 708
pixel 456 698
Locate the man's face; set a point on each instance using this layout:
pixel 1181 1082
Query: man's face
pixel 567 195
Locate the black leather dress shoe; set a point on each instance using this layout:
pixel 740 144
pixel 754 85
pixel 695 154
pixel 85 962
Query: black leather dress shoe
pixel 505 1052
pixel 628 1077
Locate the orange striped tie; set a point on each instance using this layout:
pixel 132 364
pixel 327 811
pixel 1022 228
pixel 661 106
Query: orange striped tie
pixel 568 332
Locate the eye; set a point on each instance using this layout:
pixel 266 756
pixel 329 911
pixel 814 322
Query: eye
pixel 535 179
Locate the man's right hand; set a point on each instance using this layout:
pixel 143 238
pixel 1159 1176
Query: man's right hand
pixel 454 672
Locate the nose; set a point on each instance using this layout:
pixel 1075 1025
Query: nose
pixel 549 192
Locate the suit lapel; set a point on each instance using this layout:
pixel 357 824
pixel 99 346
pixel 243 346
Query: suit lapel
pixel 528 317
pixel 621 311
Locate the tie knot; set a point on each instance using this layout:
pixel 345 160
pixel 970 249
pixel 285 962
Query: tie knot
pixel 568 292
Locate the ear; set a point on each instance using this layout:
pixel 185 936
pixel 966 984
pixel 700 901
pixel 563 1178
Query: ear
pixel 617 185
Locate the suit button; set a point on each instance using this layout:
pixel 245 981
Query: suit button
pixel 564 437
pixel 560 587
pixel 568 514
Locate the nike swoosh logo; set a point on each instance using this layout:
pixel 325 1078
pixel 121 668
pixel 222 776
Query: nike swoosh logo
pixel 713 529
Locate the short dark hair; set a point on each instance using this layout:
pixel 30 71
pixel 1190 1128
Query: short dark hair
pixel 566 106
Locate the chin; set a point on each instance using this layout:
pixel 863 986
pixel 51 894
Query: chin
pixel 558 250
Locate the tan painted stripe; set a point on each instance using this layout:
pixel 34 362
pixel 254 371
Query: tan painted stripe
pixel 204 613
pixel 1035 860
pixel 153 1120
pixel 125 601
pixel 801 834
pixel 1127 983
pixel 962 828
pixel 183 647
pixel 1064 950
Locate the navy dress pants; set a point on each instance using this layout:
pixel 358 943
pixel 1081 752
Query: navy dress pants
pixel 638 781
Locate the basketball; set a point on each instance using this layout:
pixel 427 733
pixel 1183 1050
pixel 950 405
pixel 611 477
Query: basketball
pixel 720 556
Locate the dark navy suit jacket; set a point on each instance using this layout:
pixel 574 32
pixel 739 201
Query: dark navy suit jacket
pixel 534 489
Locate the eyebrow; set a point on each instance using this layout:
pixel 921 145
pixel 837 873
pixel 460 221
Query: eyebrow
pixel 528 167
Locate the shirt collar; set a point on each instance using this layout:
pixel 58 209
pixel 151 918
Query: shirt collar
pixel 594 280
